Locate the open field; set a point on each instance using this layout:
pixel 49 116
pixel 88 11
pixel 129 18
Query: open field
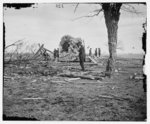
pixel 37 90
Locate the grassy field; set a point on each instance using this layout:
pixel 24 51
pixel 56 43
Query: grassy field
pixel 35 90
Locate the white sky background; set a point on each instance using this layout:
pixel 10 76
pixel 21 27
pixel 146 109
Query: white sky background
pixel 47 24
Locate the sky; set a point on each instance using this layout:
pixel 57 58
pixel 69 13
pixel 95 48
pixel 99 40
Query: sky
pixel 47 24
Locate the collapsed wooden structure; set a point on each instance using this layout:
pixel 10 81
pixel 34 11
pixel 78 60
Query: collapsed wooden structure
pixel 43 53
pixel 68 51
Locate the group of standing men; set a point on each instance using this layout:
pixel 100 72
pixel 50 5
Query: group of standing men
pixel 97 52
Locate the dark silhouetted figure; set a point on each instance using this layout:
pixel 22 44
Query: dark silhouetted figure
pixel 58 52
pixel 45 54
pixel 55 54
pixel 99 52
pixel 144 48
pixel 90 51
pixel 81 55
pixel 96 52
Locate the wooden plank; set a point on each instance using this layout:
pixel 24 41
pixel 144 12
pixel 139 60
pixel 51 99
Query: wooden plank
pixel 93 60
pixel 48 50
pixel 38 51
pixel 112 97
pixel 58 81
pixel 13 44
pixel 88 77
pixel 73 79
pixel 38 98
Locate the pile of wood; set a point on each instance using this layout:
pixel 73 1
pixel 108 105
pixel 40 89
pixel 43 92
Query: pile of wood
pixel 43 53
pixel 20 51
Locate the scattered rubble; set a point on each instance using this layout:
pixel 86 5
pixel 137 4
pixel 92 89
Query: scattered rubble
pixel 50 90
pixel 137 76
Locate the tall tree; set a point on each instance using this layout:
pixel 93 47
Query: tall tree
pixel 111 14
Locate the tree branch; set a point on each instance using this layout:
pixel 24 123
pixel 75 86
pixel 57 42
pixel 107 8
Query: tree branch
pixel 96 14
pixel 76 7
pixel 130 8
pixel 13 44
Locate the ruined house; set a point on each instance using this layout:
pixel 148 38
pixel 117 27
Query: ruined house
pixel 68 48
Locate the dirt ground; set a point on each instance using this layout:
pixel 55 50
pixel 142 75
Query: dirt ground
pixel 35 90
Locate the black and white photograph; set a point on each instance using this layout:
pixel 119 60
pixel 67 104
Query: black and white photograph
pixel 74 61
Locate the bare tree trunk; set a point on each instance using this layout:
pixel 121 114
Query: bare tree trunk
pixel 111 14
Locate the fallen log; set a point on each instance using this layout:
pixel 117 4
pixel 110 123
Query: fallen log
pixel 33 98
pixel 88 77
pixel 58 81
pixel 113 97
pixel 73 79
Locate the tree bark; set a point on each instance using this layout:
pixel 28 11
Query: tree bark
pixel 111 14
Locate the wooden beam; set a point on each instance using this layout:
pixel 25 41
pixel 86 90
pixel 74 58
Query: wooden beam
pixel 48 50
pixel 88 77
pixel 93 60
pixel 38 50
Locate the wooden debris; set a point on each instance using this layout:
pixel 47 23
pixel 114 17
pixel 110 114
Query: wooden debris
pixel 38 50
pixel 93 60
pixel 58 81
pixel 6 77
pixel 136 77
pixel 34 81
pixel 14 44
pixel 139 77
pixel 48 50
pixel 72 79
pixel 112 97
pixel 89 77
pixel 43 53
pixel 38 98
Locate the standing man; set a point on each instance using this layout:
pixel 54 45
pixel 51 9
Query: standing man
pixel 54 53
pixel 96 52
pixel 58 52
pixel 81 55
pixel 57 55
pixel 144 48
pixel 99 52
pixel 90 52
pixel 45 55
